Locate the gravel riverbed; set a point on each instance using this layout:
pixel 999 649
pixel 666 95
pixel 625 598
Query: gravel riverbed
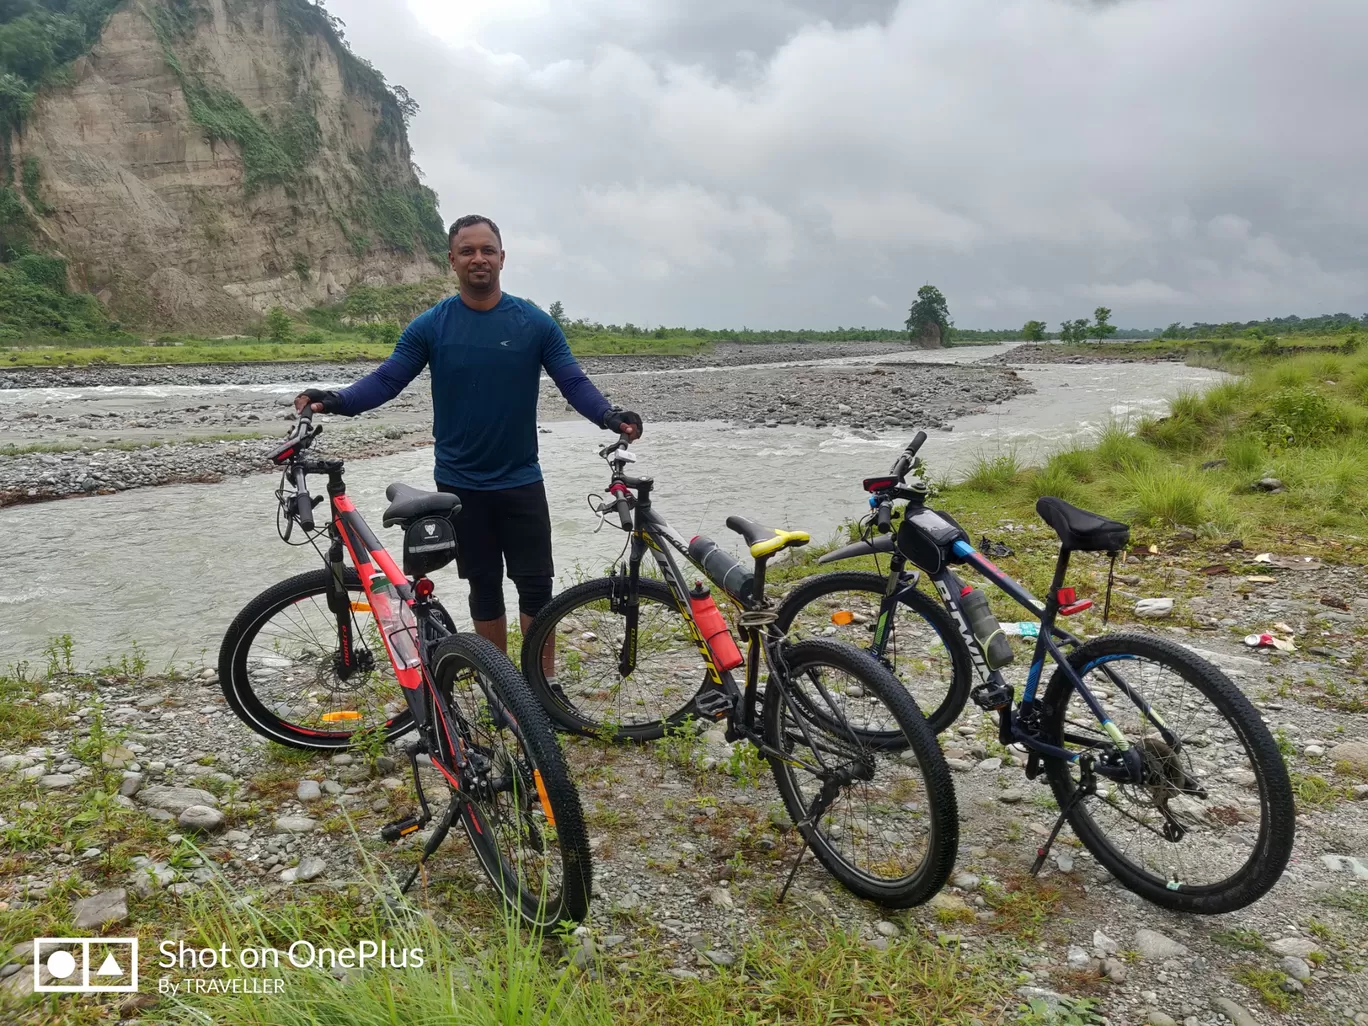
pixel 690 848
pixel 53 445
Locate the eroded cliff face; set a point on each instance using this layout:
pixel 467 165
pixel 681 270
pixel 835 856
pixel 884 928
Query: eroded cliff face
pixel 210 159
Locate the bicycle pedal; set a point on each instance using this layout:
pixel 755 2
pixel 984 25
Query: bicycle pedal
pixel 713 703
pixel 402 828
pixel 991 696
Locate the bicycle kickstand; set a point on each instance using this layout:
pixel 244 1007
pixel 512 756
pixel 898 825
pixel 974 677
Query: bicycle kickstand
pixel 1087 785
pixel 819 805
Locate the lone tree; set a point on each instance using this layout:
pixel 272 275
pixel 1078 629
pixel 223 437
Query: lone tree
pixel 1103 330
pixel 928 322
pixel 1074 331
pixel 1033 331
pixel 557 313
pixel 279 327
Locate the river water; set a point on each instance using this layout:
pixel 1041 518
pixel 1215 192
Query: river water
pixel 169 567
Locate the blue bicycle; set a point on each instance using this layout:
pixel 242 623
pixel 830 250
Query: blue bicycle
pixel 1158 762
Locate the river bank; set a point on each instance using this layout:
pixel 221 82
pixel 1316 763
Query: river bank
pixel 98 430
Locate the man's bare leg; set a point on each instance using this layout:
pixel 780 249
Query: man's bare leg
pixel 497 632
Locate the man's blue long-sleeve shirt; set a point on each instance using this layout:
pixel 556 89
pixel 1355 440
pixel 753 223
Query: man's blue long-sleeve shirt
pixel 486 373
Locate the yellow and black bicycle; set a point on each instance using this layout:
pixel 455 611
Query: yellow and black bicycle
pixel 627 658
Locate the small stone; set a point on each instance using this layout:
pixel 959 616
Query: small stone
pixel 948 902
pixel 1346 864
pixel 965 881
pixel 308 791
pixel 990 764
pixel 1355 753
pixel 1104 944
pixel 176 799
pixel 1269 484
pixel 180 890
pixel 1065 862
pixel 311 868
pixel 56 781
pixel 1154 945
pixel 1078 958
pixel 14 763
pixel 886 929
pixel 1157 1018
pixel 201 817
pixel 1154 608
pixel 1293 986
pixel 118 757
pixel 109 908
pixel 295 825
pixel 1313 751
pixel 1114 969
pixel 1011 796
pixel 723 958
pixel 959 765
pixel 237 837
pixel 130 785
pixel 721 897
pixel 1297 947
pixel 1232 1011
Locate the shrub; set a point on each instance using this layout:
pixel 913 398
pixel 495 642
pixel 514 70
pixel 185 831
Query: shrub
pixel 993 473
pixel 1118 449
pixel 279 327
pixel 1170 495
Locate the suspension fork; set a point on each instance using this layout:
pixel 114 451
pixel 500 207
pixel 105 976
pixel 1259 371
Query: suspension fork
pixel 339 601
pixel 626 599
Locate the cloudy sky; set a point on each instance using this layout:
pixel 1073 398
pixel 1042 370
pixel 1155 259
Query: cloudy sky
pixel 811 163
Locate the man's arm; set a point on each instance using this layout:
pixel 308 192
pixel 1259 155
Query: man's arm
pixel 390 378
pixel 565 371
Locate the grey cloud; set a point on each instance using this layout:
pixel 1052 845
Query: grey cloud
pixel 1032 157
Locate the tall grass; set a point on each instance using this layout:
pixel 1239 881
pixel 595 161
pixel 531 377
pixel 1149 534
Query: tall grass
pixel 1301 418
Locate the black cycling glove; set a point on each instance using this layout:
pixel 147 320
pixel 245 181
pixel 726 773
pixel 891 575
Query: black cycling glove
pixel 321 395
pixel 616 418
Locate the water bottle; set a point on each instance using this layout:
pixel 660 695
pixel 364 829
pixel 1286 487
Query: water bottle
pixel 722 567
pixel 708 618
pixel 997 650
pixel 396 620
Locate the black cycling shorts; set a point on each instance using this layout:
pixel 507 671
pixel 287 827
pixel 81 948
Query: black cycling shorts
pixel 507 526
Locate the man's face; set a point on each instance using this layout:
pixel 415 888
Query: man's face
pixel 477 259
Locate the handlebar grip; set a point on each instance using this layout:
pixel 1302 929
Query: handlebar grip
pixel 916 443
pixel 884 517
pixel 303 501
pixel 624 509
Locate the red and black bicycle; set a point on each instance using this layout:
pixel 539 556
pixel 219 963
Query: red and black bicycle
pixel 352 657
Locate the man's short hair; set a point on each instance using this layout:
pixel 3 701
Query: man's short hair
pixel 468 221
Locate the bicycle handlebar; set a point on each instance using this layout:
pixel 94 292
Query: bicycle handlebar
pixel 908 456
pixel 303 501
pixel 884 517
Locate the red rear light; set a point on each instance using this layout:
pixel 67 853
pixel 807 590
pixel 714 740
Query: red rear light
pixel 1067 596
pixel 424 587
pixel 879 484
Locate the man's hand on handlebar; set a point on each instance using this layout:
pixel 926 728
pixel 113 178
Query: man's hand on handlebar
pixel 624 422
pixel 318 400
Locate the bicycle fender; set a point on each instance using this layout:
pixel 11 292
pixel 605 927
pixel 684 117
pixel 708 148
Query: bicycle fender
pixel 882 545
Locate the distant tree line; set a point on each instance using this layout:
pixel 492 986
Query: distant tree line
pixel 1325 324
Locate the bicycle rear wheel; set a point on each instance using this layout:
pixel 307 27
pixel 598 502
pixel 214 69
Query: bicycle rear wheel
pixel 922 648
pixel 1211 827
pixel 281 672
pixel 570 657
pixel 882 817
pixel 517 802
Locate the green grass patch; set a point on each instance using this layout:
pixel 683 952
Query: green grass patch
pixel 1267 983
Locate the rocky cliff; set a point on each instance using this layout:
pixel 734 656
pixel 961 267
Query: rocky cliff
pixel 204 160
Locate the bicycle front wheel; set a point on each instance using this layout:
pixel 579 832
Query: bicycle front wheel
pixel 518 805
pixel 1210 827
pixel 281 670
pixel 882 817
pixel 921 646
pixel 571 655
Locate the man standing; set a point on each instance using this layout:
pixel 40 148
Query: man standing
pixel 486 350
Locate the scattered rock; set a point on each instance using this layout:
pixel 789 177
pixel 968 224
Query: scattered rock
pixel 721 897
pixel 1114 969
pixel 1157 1018
pixel 1298 947
pixel 56 781
pixel 965 881
pixel 295 825
pixel 109 908
pixel 130 785
pixel 990 764
pixel 176 799
pixel 1104 944
pixel 308 791
pixel 1295 968
pixel 886 929
pixel 201 817
pixel 1269 484
pixel 1154 945
pixel 1154 608
pixel 1011 796
pixel 1232 1011
pixel 1355 753
pixel 722 958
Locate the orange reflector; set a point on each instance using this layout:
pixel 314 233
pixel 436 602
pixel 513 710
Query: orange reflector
pixel 545 801
pixel 337 717
pixel 360 607
pixel 842 617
